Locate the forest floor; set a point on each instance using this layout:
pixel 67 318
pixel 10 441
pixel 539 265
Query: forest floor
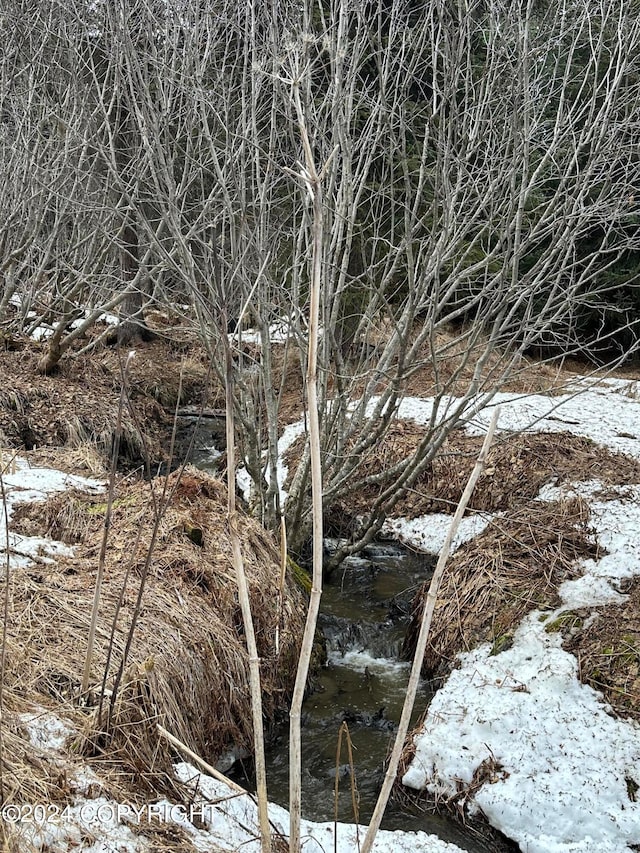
pixel 544 580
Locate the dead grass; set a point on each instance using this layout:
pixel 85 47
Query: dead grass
pixel 608 650
pixel 456 366
pixel 188 667
pixel 514 567
pixel 518 466
pixel 78 405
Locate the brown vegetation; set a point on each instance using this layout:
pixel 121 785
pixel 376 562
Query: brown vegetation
pixel 188 666
pixel 515 566
pixel 608 650
pixel 78 405
pixel 518 466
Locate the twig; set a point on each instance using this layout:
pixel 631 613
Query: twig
pixel 5 623
pixel 105 534
pixel 216 774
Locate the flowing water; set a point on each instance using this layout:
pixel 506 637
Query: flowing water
pixel 364 616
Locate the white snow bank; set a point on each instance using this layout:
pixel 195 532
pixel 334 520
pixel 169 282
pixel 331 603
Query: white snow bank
pixel 562 761
pixel 606 413
pixel 95 823
pixel 279 333
pixel 617 527
pixel 289 435
pixel 45 729
pixel 427 533
pixel 46 330
pixel 233 825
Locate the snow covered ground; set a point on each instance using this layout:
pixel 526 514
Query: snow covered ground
pixel 516 733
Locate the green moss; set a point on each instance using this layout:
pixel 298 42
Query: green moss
pixel 299 575
pixel 626 652
pixel 569 621
pixel 632 789
pixel 101 508
pixel 194 533
pixel 501 644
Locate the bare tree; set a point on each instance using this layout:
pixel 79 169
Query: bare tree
pixel 485 162
pixel 482 179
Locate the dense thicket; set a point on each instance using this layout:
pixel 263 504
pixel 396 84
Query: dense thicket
pixel 480 174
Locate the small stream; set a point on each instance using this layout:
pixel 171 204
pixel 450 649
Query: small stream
pixel 364 614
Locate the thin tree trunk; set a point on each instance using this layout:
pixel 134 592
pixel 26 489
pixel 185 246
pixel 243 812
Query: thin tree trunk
pixel 295 760
pixel 245 606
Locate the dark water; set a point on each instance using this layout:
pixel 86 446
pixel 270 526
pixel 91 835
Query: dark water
pixel 364 612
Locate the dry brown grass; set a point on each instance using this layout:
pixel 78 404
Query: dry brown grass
pixel 188 667
pixel 514 567
pixel 517 467
pixel 78 405
pixel 608 650
pixel 457 362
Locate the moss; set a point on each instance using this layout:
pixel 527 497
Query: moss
pixel 194 533
pixel 101 508
pixel 632 789
pixel 501 644
pixel 569 621
pixel 299 575
pixel 627 651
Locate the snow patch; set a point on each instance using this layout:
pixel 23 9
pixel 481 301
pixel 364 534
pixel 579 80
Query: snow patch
pixel 23 484
pixel 234 825
pixel 559 760
pixel 427 533
pixel 46 730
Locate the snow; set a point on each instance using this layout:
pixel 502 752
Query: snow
pixel 46 730
pixel 558 765
pixel 427 533
pixel 279 333
pixel 44 331
pixel 233 825
pixel 229 819
pixel 23 484
pixel 93 822
pixel 562 760
pixel 289 435
pixel 558 762
pixel 617 526
pixel 608 413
